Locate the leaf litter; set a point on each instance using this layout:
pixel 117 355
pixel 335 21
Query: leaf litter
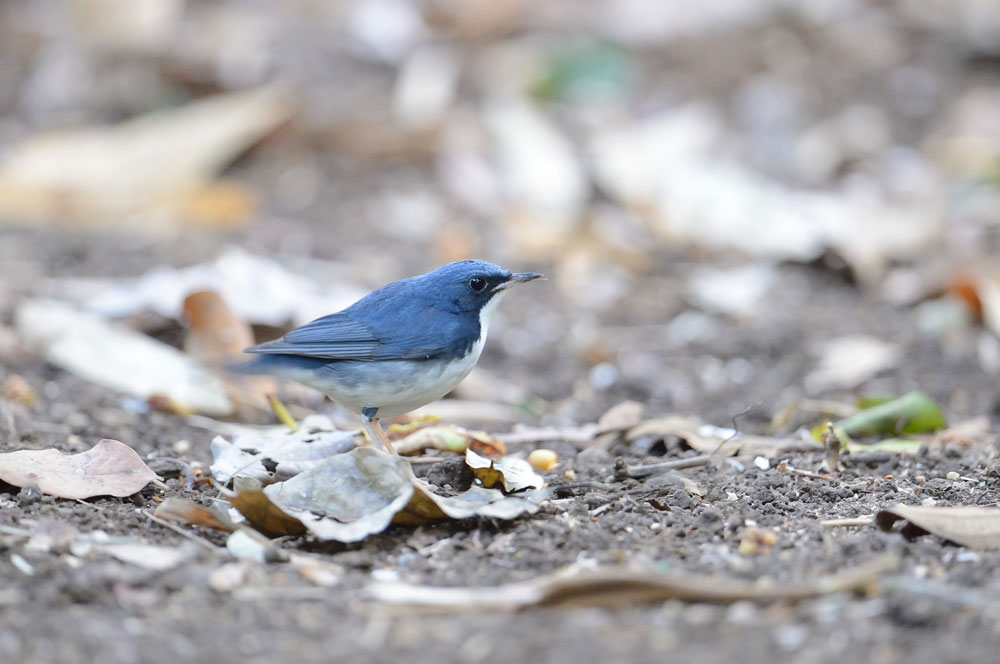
pixel 350 496
pixel 976 527
pixel 110 468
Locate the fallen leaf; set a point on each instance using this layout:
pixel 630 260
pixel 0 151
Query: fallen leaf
pixel 512 473
pixel 733 291
pixel 150 166
pixel 910 414
pixel 149 556
pixel 350 496
pixel 110 468
pixel 847 362
pixel 969 525
pixel 619 417
pixel 119 358
pixel 215 334
pixel 667 169
pixel 216 337
pixel 450 439
pixel 248 544
pixel 258 289
pixel 191 513
pixel 623 587
pixel 709 439
pixel 250 500
pixel 287 452
pixel 315 570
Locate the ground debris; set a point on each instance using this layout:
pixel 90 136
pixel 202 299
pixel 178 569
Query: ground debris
pixel 110 468
pixel 626 586
pixel 969 525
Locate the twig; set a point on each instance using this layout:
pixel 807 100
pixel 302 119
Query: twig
pixel 833 444
pixel 838 523
pixel 624 472
pixel 180 531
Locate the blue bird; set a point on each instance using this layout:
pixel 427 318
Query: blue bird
pixel 397 348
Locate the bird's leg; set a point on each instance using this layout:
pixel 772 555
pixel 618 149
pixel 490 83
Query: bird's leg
pixel 374 429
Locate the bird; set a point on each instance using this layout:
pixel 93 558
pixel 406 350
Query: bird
pixel 397 348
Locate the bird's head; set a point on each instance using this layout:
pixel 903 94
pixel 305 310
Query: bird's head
pixel 472 284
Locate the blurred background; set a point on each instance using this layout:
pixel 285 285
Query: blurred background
pixel 739 204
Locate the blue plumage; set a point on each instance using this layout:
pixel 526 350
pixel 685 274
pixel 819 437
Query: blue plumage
pixel 399 347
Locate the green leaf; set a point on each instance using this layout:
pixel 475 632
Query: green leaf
pixel 913 413
pixel 895 445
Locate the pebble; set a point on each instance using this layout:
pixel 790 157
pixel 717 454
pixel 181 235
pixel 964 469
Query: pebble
pixel 182 446
pixel 953 476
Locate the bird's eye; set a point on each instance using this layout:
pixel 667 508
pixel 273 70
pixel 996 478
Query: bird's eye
pixel 477 284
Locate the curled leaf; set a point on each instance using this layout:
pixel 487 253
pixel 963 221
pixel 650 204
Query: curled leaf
pixel 512 473
pixel 450 439
pixel 350 496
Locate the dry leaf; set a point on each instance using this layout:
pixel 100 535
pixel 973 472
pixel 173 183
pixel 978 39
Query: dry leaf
pixel 249 498
pixel 847 362
pixel 969 525
pixel 624 415
pixel 119 358
pixel 291 452
pixel 450 439
pixel 153 166
pixel 513 473
pixel 258 289
pixel 109 468
pixel 149 556
pixel 350 496
pixel 191 513
pixel 215 337
pixel 625 587
pixel 710 439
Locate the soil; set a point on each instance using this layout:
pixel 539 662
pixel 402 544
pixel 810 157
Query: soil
pixel 941 605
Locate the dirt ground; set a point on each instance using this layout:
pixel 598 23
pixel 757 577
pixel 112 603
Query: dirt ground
pixel 568 349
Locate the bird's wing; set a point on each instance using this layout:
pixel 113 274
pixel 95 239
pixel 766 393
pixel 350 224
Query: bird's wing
pixel 339 336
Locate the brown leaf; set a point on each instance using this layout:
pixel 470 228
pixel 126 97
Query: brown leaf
pixel 512 473
pixel 110 468
pixel 350 496
pixel 157 168
pixel 189 512
pixel 251 501
pixel 450 439
pixel 969 525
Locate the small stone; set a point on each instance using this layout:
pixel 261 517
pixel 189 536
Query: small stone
pixel 29 495
pixel 919 479
pixel 679 498
pixel 182 446
pixel 710 516
pixel 952 476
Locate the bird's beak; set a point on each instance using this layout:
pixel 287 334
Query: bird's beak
pixel 517 278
